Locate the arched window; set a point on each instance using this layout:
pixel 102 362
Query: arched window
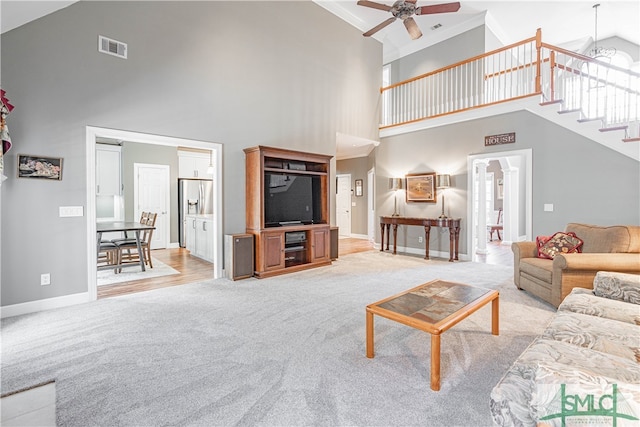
pixel 608 93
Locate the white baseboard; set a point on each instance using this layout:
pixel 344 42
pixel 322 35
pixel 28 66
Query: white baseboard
pixel 359 236
pixel 173 245
pixel 416 251
pixel 45 304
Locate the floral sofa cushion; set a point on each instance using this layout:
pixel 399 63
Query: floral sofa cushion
pixel 600 334
pixel 584 301
pixel 617 286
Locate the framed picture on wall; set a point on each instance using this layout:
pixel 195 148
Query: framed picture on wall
pixel 421 187
pixel 39 167
pixel 358 188
pixel 500 183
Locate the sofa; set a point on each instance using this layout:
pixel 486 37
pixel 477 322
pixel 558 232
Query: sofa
pixel 591 347
pixel 611 248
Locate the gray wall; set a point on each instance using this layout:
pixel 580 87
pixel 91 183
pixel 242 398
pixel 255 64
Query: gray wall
pixel 585 181
pixel 358 169
pixel 455 49
pixel 287 74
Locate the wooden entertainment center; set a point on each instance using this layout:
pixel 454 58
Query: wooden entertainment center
pixel 287 246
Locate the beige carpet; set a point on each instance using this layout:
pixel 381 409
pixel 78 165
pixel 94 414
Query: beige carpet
pixel 108 277
pixel 283 351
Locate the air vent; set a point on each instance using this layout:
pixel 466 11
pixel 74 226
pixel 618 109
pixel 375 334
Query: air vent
pixel 112 47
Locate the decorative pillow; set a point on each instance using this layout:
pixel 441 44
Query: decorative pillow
pixel 540 241
pixel 560 242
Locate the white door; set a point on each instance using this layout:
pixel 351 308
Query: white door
pixel 343 205
pixel 151 194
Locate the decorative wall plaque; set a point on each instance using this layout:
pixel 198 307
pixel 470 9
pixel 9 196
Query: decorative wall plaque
pixel 503 138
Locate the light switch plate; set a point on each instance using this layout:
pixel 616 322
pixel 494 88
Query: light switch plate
pixel 69 211
pixel 548 207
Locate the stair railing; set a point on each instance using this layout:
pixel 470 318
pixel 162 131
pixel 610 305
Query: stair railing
pixel 593 88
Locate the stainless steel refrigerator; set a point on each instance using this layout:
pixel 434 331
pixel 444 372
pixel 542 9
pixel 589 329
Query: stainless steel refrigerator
pixel 195 197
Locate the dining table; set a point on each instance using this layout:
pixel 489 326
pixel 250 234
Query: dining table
pixel 122 226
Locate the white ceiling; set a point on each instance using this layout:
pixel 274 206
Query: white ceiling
pixel 569 24
pixel 563 23
pixel 14 13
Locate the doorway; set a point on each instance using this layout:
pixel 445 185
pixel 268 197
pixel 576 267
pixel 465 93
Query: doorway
pixel 515 189
pixel 92 133
pixel 343 204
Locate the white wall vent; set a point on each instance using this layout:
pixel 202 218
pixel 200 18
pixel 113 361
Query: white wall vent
pixel 112 47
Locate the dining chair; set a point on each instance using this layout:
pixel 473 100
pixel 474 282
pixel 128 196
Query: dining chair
pixel 109 255
pixel 128 249
pixel 497 227
pixel 127 236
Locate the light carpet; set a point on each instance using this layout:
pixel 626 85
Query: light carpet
pixel 282 351
pixel 128 274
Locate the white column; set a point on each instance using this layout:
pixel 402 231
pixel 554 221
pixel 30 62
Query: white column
pixel 511 179
pixel 481 247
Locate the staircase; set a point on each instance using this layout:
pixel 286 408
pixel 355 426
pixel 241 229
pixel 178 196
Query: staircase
pixel 586 95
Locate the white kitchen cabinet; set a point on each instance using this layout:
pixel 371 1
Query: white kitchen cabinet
pixel 199 240
pixel 193 165
pixel 190 235
pixel 108 170
pixel 204 246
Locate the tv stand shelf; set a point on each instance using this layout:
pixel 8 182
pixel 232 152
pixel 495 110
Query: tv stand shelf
pixel 291 229
pixel 293 171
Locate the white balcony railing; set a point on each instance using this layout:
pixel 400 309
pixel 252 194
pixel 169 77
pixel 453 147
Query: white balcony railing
pixel 594 89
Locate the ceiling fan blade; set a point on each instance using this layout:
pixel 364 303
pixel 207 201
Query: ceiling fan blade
pixel 379 27
pixel 374 5
pixel 438 8
pixel 412 28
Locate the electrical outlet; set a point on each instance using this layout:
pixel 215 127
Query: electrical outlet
pixel 45 279
pixel 420 239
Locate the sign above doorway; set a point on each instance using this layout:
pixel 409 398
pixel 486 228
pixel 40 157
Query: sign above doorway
pixel 503 138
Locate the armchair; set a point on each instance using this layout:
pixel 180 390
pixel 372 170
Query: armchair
pixel 614 248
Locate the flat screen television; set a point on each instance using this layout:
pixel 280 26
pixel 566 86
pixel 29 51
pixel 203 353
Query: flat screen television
pixel 292 199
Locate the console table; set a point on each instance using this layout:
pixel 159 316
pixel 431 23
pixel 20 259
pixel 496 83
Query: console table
pixel 453 224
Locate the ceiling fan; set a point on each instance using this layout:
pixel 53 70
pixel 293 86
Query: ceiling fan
pixel 405 9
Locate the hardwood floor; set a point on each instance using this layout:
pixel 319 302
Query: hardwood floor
pixel 497 254
pixel 350 245
pixel 194 269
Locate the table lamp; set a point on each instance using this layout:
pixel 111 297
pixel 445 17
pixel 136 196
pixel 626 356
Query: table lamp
pixel 395 184
pixel 443 182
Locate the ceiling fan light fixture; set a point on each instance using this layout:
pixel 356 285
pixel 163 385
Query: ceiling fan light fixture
pixel 405 10
pixel 599 52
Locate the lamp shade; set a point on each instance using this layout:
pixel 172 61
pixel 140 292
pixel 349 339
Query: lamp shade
pixel 443 181
pixel 395 184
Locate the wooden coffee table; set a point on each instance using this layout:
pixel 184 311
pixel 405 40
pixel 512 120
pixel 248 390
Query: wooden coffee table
pixel 434 307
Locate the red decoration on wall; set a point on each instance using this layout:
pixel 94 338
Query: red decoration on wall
pixel 5 109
